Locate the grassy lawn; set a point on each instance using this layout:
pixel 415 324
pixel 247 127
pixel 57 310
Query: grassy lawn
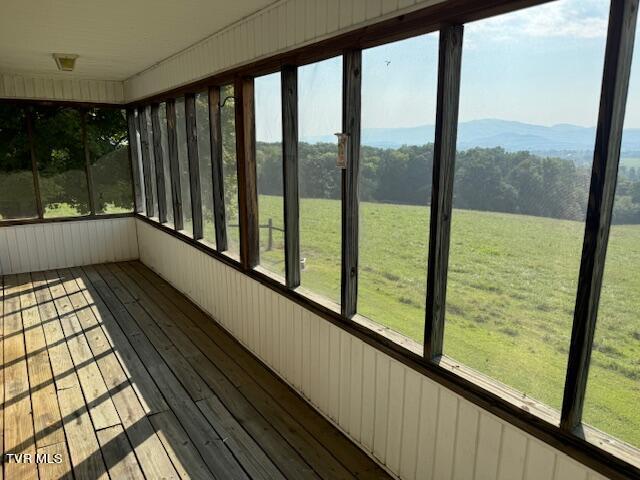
pixel 510 296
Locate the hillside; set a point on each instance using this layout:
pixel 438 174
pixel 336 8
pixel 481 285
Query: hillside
pixel 512 136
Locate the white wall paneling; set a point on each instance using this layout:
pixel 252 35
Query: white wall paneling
pixel 283 26
pixel 412 425
pixel 39 87
pixel 45 246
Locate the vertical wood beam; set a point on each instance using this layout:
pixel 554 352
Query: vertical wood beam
pixel 215 136
pixel 351 101
pixel 146 162
pixel 87 161
pixel 34 162
pixel 613 99
pixel 158 156
pixel 289 86
pixel 444 155
pixel 133 158
pixel 247 181
pixel 194 164
pixel 174 166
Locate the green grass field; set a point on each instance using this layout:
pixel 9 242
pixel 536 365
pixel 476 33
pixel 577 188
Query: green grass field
pixel 510 295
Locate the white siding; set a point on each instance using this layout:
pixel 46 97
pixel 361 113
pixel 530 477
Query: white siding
pixel 41 87
pixel 415 427
pixel 285 25
pixel 44 246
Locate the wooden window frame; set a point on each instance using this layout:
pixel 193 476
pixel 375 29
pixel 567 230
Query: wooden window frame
pixel 567 433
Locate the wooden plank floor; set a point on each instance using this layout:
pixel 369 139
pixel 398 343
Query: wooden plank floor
pixel 109 372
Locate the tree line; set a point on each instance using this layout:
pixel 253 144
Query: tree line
pixel 487 179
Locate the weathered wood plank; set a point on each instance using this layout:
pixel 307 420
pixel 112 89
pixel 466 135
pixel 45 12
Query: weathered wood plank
pixel 194 164
pixel 289 85
pixel 158 157
pixel 444 155
pixel 47 422
pixel 283 417
pixel 98 397
pixel 118 454
pixel 215 138
pixel 83 444
pixel 18 422
pixel 604 177
pixel 351 82
pixel 270 439
pixel 2 372
pixel 247 172
pixel 218 458
pixel 180 448
pixel 95 320
pixel 174 166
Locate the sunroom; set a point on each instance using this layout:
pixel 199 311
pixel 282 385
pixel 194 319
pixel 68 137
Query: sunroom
pixel 320 239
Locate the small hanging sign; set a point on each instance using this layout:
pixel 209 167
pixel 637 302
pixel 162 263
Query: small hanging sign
pixel 341 160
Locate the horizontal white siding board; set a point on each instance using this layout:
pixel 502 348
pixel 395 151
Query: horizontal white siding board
pixel 413 426
pixel 44 246
pixel 34 87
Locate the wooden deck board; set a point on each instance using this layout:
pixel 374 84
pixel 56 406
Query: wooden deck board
pixel 117 372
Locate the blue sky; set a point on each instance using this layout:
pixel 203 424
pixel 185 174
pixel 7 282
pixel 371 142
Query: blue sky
pixel 540 65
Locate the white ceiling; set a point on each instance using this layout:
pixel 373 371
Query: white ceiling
pixel 114 38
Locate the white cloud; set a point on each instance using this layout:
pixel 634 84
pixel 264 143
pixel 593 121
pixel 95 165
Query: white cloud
pixel 564 18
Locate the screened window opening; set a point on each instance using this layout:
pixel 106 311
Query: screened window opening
pixel 206 175
pixel 137 158
pixel 162 117
pixel 18 196
pixel 183 166
pixel 398 94
pixel 319 118
pixel 268 108
pixel 230 168
pixel 152 162
pixel 521 187
pixel 60 157
pixel 108 146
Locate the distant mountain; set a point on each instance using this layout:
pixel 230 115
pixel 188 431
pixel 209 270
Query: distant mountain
pixel 512 136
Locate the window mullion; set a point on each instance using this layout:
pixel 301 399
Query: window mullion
pixel 613 99
pixel 146 165
pixel 444 153
pixel 158 159
pixel 194 164
pixel 351 101
pixel 289 87
pixel 215 137
pixel 247 174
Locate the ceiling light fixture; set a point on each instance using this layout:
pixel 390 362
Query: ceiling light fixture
pixel 66 62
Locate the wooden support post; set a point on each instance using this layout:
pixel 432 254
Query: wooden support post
pixel 146 162
pixel 613 99
pixel 34 163
pixel 174 166
pixel 215 136
pixel 194 164
pixel 134 153
pixel 158 156
pixel 444 154
pixel 289 86
pixel 87 161
pixel 247 184
pixel 351 83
